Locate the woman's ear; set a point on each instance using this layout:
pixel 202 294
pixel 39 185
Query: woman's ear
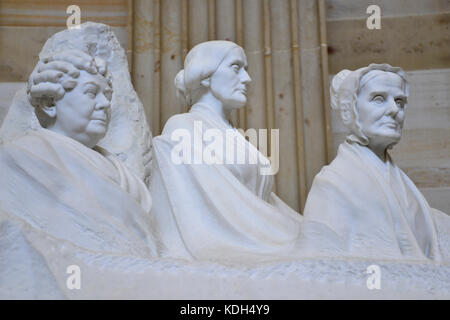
pixel 206 82
pixel 345 115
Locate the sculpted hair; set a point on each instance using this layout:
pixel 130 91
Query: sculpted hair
pixel 344 91
pixel 201 62
pixel 57 74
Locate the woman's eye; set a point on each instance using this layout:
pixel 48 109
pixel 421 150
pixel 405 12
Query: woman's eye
pixel 400 102
pixel 235 67
pixel 91 93
pixel 378 99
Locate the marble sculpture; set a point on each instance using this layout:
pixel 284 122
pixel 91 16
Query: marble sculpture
pixel 223 210
pixel 84 184
pixel 363 202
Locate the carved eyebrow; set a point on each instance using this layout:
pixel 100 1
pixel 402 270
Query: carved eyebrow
pixel 239 62
pixel 377 93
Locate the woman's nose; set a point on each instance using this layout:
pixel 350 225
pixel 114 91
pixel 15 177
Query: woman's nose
pixel 102 102
pixel 393 108
pixel 246 77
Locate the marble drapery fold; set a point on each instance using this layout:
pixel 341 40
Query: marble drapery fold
pixel 362 206
pixel 84 196
pixel 217 211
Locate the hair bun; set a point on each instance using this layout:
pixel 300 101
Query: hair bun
pixel 179 82
pixel 180 85
pixel 336 83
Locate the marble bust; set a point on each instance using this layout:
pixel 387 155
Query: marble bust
pixel 75 156
pixel 128 136
pixel 363 204
pixel 219 210
pixel 74 189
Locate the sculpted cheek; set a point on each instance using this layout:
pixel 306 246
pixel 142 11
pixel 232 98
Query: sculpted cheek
pixel 401 119
pixel 378 112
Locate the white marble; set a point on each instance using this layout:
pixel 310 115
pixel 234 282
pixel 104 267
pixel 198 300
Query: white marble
pixel 74 193
pixel 42 274
pixel 58 179
pixel 216 210
pixel 362 204
pixel 128 136
pixel 59 175
pixel 7 92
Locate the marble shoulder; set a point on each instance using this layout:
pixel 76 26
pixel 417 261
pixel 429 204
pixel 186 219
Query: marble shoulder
pixel 331 171
pixel 29 140
pixel 178 121
pixel 30 146
pixel 337 177
pixel 344 168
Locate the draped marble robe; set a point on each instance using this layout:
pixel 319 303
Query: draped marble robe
pixel 217 211
pixel 362 206
pixel 70 192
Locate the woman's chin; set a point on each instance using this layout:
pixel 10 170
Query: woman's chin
pixel 97 128
pixel 237 104
pixel 96 135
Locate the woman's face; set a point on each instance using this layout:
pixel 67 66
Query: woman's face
pixel 84 112
pixel 229 83
pixel 381 109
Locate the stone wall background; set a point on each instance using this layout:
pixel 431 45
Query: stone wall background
pixel 293 47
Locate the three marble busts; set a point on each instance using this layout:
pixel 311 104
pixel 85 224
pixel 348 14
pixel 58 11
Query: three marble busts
pixel 85 183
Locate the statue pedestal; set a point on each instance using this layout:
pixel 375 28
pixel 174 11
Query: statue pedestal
pixel 38 266
pixel 301 279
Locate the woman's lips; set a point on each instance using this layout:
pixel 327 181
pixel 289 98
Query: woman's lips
pixel 393 125
pixel 104 121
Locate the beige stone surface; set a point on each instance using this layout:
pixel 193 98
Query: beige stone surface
pixel 284 103
pixel 18 57
pixel 411 42
pixel 438 198
pixel 53 13
pixel 356 9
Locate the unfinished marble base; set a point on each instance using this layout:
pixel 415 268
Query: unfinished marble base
pixel 33 266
